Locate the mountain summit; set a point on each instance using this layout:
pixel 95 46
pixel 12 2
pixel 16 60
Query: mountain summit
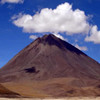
pixel 50 59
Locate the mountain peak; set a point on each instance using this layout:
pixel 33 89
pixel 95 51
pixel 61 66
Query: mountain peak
pixel 52 40
pixel 48 36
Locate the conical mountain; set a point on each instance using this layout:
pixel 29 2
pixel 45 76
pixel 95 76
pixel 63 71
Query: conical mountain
pixel 50 58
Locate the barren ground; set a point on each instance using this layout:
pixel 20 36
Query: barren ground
pixel 73 98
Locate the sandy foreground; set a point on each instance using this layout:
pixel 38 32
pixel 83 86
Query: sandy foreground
pixel 75 98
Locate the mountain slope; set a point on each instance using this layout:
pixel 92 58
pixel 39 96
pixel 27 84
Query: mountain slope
pixel 4 92
pixel 48 59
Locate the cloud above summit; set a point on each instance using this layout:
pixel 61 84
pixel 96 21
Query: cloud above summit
pixel 62 19
pixel 83 48
pixel 12 1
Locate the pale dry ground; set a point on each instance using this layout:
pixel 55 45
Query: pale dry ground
pixel 57 87
pixel 73 98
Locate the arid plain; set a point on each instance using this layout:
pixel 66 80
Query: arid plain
pixel 73 98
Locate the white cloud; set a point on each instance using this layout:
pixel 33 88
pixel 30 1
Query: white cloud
pixel 12 1
pixel 33 37
pixel 62 19
pixel 59 36
pixel 83 48
pixel 94 35
pixel 16 16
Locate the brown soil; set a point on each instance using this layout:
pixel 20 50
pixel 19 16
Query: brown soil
pixel 4 92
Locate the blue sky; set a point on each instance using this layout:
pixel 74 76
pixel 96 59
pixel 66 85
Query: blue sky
pixel 18 26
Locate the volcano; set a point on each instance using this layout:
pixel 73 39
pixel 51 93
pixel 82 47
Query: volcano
pixel 51 67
